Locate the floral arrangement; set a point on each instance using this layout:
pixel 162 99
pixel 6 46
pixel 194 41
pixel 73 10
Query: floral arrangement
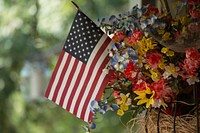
pixel 155 59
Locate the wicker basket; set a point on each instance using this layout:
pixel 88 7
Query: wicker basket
pixel 158 121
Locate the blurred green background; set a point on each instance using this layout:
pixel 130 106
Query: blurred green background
pixel 32 33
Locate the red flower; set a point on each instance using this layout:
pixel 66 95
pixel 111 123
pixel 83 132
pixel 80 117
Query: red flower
pixel 193 54
pixel 158 87
pixel 130 69
pixel 195 13
pixel 140 86
pixel 151 11
pixel 191 63
pixel 115 94
pixel 114 78
pixel 194 27
pixel 153 59
pixel 133 73
pixel 136 35
pixel 177 34
pixel 193 2
pixel 119 36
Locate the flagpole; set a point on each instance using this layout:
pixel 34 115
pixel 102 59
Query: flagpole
pixel 75 5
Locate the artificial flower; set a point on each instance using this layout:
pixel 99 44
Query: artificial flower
pixel 149 70
pixel 144 45
pixel 158 103
pixel 130 71
pixel 166 36
pixel 132 39
pixel 164 50
pixel 153 59
pixel 118 37
pixel 155 75
pixel 161 32
pixel 190 64
pixel 160 88
pixel 151 11
pixel 195 13
pixel 192 79
pixel 192 53
pixel 170 53
pixel 145 96
pixel 193 2
pixel 167 51
pixel 120 112
pixel 161 64
pixel 171 69
pixel 124 107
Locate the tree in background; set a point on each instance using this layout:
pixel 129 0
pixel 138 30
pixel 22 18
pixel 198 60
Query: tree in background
pixel 36 30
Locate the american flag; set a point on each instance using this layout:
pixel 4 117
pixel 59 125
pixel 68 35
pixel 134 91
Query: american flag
pixel 78 78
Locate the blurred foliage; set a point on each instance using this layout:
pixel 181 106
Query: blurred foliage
pixel 27 30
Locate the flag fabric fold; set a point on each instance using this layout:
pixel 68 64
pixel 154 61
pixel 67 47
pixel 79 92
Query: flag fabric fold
pixel 78 77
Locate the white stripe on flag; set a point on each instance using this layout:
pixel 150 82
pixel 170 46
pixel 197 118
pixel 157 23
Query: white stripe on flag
pixel 61 89
pixel 96 90
pixel 99 44
pixel 96 67
pixel 74 79
pixel 58 74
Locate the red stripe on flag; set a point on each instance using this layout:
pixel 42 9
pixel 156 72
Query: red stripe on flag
pixel 91 69
pixel 92 89
pixel 99 94
pixel 90 116
pixel 103 85
pixel 54 73
pixel 68 82
pixel 75 86
pixel 61 78
pixel 84 86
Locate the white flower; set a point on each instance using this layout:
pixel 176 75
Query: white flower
pixel 106 71
pixel 192 80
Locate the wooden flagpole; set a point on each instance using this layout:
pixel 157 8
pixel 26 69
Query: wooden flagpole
pixel 75 5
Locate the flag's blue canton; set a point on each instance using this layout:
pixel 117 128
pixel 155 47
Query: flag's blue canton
pixel 82 38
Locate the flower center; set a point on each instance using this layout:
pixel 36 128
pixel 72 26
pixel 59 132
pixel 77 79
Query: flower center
pixel 148 96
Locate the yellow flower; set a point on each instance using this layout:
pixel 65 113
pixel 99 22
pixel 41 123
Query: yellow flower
pixel 123 97
pixel 163 104
pixel 164 50
pixel 124 102
pixel 170 53
pixel 184 20
pixel 175 23
pixel 166 36
pixel 140 59
pixel 102 97
pixel 161 64
pixel 118 101
pixel 150 44
pixel 128 101
pixel 154 75
pixel 145 96
pixel 120 112
pixel 184 29
pixel 147 66
pixel 145 44
pixel 171 70
pixel 141 47
pixel 160 32
pixel 167 51
pixel 124 107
